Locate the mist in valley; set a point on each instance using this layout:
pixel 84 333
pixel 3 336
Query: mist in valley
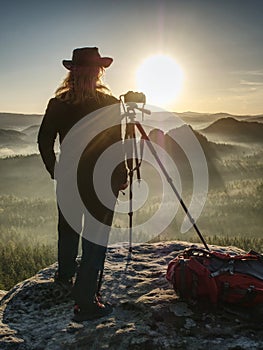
pixel 232 214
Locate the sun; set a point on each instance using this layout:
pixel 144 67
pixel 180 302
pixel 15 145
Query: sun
pixel 160 78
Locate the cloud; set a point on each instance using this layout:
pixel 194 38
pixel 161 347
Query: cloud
pixel 248 81
pixel 256 72
pixel 246 87
pixel 251 83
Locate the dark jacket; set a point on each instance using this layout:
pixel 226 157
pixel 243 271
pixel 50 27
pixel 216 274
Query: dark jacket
pixel 59 118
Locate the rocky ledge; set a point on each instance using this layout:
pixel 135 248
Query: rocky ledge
pixel 147 312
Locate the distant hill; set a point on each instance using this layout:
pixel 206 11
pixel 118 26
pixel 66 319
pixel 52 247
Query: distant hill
pixel 203 120
pixel 18 133
pixel 31 129
pixel 31 133
pixel 230 129
pixel 13 142
pixel 171 140
pixel 19 121
pixel 11 137
pixel 168 141
pixel 256 118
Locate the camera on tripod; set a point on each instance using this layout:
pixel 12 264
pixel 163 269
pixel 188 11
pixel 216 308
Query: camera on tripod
pixel 136 97
pixel 131 99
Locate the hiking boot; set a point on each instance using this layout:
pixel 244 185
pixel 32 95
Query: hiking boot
pixel 92 312
pixel 98 298
pixel 64 282
pixel 64 286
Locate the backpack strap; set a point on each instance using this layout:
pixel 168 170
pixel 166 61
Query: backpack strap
pixel 228 268
pixel 248 295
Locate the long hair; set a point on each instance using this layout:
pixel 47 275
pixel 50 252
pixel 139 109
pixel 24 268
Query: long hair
pixel 81 84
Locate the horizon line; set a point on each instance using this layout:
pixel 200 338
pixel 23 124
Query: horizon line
pixel 184 112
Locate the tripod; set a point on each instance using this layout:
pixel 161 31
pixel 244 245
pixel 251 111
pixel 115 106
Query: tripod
pixel 132 154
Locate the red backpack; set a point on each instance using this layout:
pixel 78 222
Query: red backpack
pixel 199 274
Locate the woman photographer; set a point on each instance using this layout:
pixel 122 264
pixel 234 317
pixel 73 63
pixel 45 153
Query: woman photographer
pixel 82 93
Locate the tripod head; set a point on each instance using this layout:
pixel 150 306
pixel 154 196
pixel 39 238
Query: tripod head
pixel 131 106
pixel 131 99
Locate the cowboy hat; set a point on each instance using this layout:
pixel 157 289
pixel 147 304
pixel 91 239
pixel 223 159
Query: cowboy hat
pixel 86 57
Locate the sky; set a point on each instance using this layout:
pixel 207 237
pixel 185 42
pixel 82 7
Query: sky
pixel 217 43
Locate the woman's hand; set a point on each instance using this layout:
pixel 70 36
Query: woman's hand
pixel 124 186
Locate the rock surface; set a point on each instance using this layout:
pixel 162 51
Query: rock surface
pixel 2 293
pixel 147 312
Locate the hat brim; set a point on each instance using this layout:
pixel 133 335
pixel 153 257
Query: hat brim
pixel 101 62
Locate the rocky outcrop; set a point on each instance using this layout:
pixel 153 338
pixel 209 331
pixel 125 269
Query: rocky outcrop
pixel 147 314
pixel 2 293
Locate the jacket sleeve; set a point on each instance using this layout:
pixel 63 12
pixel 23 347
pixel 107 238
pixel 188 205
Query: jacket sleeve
pixel 46 138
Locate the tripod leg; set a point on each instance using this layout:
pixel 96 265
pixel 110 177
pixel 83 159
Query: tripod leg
pixel 132 153
pixel 137 164
pixel 130 210
pixel 170 181
pixel 129 160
